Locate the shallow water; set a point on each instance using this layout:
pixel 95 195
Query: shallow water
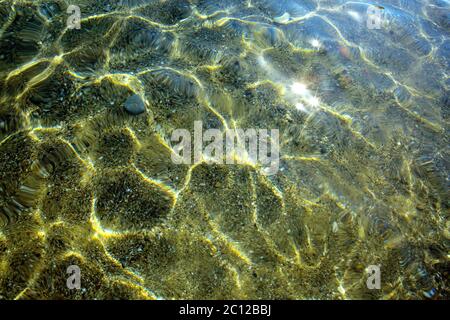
pixel 86 179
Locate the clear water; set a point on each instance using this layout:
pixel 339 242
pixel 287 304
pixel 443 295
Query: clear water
pixel 359 92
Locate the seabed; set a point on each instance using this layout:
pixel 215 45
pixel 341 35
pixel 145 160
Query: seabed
pixel 87 177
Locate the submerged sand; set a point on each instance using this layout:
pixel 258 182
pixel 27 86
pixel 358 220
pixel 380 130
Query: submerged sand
pixel 363 177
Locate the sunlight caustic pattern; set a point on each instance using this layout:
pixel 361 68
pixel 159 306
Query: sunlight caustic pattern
pixel 363 121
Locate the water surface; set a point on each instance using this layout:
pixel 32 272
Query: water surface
pixel 362 108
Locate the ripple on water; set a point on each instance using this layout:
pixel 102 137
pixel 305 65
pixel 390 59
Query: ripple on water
pixel 87 176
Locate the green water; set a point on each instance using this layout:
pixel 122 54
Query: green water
pixel 362 180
